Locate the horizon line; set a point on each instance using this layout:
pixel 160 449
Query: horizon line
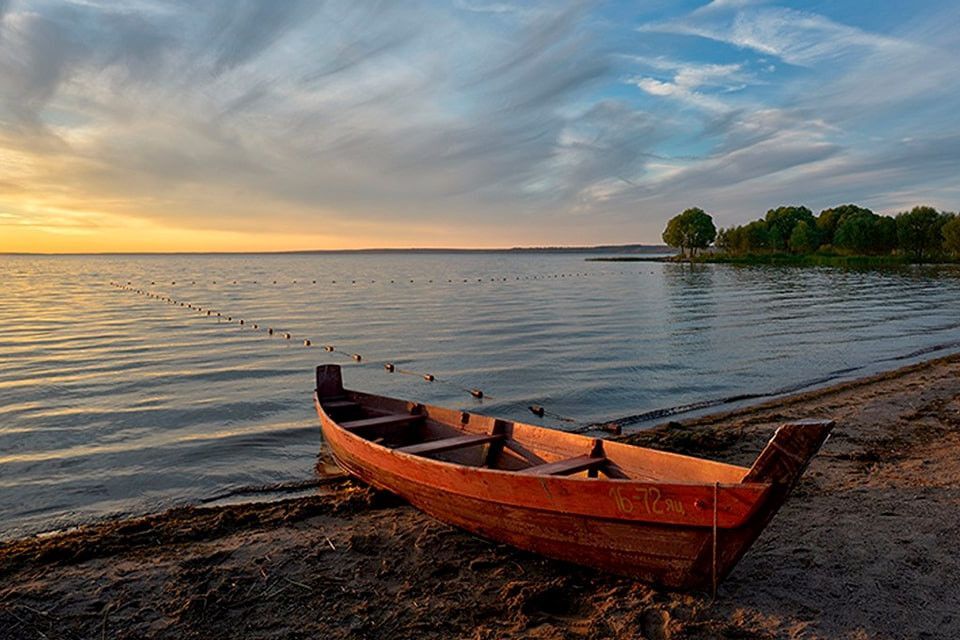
pixel 518 249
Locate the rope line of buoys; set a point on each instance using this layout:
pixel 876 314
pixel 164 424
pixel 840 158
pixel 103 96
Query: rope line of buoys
pixel 614 427
pixel 540 412
pixel 307 342
pixel 360 281
pixel 389 367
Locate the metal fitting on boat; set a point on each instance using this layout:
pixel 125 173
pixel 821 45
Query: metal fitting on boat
pixel 389 367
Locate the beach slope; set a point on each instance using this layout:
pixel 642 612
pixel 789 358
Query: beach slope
pixel 866 547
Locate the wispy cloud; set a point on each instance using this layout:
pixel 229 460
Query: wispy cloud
pixel 797 37
pixel 425 122
pixel 688 79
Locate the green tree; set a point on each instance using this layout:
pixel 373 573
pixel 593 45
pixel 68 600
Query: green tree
pixel 691 230
pixel 951 236
pixel 726 238
pixel 827 223
pixel 830 219
pixel 782 220
pixel 885 234
pixel 857 232
pixel 803 238
pixel 756 236
pixel 918 231
pixel 775 238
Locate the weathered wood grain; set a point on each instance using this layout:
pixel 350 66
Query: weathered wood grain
pixel 657 516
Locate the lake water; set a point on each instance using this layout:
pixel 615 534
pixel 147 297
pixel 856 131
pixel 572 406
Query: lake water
pixel 112 402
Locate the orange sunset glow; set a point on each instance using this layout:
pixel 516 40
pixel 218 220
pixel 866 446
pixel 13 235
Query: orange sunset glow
pixel 156 127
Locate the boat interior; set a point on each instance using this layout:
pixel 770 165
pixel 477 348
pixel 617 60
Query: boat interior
pixel 481 441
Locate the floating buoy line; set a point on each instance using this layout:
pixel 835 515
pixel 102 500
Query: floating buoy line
pixel 612 426
pixel 388 367
pixel 402 281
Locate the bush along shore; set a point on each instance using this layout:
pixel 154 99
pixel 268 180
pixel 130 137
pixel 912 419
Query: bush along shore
pixel 846 235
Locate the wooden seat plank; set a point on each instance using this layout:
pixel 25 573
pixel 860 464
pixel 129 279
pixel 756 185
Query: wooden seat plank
pixel 449 444
pixel 565 467
pixel 395 420
pixel 338 404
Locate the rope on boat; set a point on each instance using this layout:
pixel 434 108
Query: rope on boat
pixel 716 496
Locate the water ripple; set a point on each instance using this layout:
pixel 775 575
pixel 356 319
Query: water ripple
pixel 111 402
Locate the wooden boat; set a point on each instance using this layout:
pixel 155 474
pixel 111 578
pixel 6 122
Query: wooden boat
pixel 669 519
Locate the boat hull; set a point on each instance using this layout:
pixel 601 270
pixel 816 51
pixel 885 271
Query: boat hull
pixel 646 524
pixel 668 555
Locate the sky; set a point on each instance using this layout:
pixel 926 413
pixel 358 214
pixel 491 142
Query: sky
pixel 243 125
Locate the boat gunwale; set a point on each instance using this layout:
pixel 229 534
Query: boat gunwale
pixel 759 486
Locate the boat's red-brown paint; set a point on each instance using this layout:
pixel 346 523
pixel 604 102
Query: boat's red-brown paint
pixel 673 520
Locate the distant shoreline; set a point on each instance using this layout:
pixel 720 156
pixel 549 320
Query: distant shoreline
pixel 786 260
pixel 647 258
pixel 620 248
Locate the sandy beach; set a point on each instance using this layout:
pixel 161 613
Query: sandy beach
pixel 865 548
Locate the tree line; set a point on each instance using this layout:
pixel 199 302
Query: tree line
pixel 923 233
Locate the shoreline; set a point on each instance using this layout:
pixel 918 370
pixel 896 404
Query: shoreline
pixel 863 549
pixel 789 260
pixel 549 249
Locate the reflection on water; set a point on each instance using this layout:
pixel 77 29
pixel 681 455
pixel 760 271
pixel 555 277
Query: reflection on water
pixel 111 402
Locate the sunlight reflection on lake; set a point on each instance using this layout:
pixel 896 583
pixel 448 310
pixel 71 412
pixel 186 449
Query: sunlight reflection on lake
pixel 112 402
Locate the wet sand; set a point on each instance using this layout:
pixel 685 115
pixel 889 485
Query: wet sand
pixel 866 547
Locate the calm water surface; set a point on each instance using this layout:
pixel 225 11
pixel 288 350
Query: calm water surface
pixel 111 402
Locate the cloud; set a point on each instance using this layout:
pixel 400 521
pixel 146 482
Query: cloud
pixel 490 7
pixel 419 121
pixel 797 37
pixel 688 79
pixel 361 111
pixel 242 29
pixel 36 58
